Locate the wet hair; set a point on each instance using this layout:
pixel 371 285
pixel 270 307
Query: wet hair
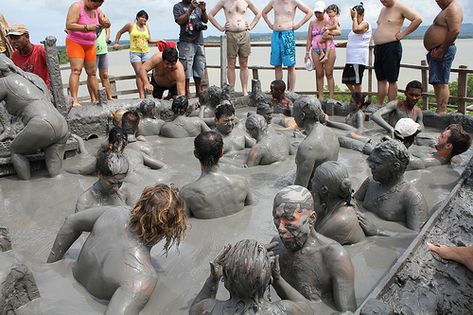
pixel 170 54
pixel 359 9
pixel 117 140
pixel 334 8
pixel 130 121
pixel 158 214
pixel 179 105
pixel 360 98
pixel 208 147
pixel 247 272
pixel 298 196
pixel 334 176
pixel 224 109
pixel 459 139
pixel 142 13
pixel 392 151
pixel 256 121
pixel 279 84
pixel 414 84
pixel 311 108
pixel 111 163
pixel 147 105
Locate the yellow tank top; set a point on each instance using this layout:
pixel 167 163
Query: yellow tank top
pixel 139 40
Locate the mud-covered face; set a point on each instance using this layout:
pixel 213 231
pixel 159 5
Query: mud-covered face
pixel 299 116
pixel 380 168
pixel 293 225
pixel 267 113
pixel 225 124
pixel 112 184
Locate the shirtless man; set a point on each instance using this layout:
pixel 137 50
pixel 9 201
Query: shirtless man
pixel 320 145
pixel 115 262
pixel 202 199
pixel 168 74
pixel 182 126
pixel 234 139
pixel 388 49
pixel 439 40
pixel 283 41
pixel 316 266
pixel 270 146
pixel 401 109
pixel 238 36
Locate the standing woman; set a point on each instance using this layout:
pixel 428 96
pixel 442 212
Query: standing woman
pixel 314 34
pixel 358 46
pixel 83 18
pixel 139 49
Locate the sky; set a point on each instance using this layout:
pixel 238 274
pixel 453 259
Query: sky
pixel 47 17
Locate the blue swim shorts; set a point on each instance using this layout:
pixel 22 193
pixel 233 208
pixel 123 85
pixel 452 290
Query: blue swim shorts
pixel 283 48
pixel 439 71
pixel 138 57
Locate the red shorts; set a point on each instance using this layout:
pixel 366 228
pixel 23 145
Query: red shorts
pixel 75 50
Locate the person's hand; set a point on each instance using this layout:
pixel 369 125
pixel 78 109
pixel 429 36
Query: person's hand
pixel 307 57
pixel 202 5
pixel 353 13
pixel 194 5
pixel 247 25
pixel 437 53
pixel 216 266
pixel 149 88
pixel 366 224
pixel 295 27
pixel 274 259
pixel 391 133
pixel 226 28
pixel 115 46
pixel 399 35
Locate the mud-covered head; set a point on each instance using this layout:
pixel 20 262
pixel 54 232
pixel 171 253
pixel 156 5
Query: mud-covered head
pixel 266 110
pixel 247 270
pixel 159 214
pixel 179 105
pixel 208 148
pixel 294 216
pixel 277 88
pixel 117 140
pixel 453 140
pixel 130 122
pixel 331 180
pixel 388 161
pixel 225 117
pixel 147 107
pixel 111 169
pixel 307 109
pixel 256 125
pixel 359 100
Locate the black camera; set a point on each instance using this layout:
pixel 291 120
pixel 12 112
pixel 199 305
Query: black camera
pixel 200 27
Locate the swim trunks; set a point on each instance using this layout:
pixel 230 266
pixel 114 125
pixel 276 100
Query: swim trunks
pixel 283 48
pixel 439 71
pixel 353 74
pixel 159 90
pixel 192 57
pixel 387 61
pixel 238 44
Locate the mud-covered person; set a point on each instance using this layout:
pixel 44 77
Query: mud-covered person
pixel 168 74
pixel 150 125
pixel 115 262
pixel 182 126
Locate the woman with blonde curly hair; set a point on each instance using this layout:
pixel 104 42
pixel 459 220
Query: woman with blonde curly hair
pixel 115 262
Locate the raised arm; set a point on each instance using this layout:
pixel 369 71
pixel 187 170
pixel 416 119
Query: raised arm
pixel 182 16
pixel 214 12
pixel 410 14
pixel 265 12
pixel 103 20
pixel 308 14
pixel 256 12
pixel 377 116
pixel 124 29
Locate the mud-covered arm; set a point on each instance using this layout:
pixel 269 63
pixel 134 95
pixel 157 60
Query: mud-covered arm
pixel 249 141
pixel 343 278
pixel 72 228
pixel 416 210
pixel 152 163
pixel 254 156
pixel 203 126
pixel 377 117
pixel 304 164
pixel 359 196
pixel 339 125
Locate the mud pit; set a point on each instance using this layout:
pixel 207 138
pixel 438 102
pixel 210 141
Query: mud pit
pixel 34 211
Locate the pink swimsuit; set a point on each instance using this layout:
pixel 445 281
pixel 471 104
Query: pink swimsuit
pixel 317 34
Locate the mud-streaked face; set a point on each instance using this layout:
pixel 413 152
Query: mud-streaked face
pixel 293 225
pixel 112 184
pixel 380 168
pixel 225 124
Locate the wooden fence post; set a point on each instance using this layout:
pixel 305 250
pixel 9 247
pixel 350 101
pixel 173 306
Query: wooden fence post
pixel 113 86
pixel 223 60
pixel 425 84
pixel 462 85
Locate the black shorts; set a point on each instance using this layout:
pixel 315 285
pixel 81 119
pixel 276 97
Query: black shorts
pixel 387 61
pixel 353 74
pixel 159 90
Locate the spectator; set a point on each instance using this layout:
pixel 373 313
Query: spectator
pixel 101 51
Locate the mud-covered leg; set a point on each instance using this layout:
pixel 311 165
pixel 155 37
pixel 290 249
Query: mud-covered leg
pixel 54 155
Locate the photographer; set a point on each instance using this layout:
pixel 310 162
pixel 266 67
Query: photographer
pixel 191 17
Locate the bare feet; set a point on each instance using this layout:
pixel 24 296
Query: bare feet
pixel 75 104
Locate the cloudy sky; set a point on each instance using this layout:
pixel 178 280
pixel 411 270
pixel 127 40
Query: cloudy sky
pixel 47 17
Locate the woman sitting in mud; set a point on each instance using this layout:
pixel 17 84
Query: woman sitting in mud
pixel 26 96
pixel 115 262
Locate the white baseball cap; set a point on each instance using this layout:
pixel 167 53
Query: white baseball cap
pixel 319 6
pixel 406 127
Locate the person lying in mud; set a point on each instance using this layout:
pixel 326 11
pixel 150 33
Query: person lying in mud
pixel 459 254
pixel 396 109
pixel 149 125
pixel 387 194
pixel 182 126
pixel 233 190
pixel 270 146
pixel 27 96
pixel 336 215
pixel 234 139
pixel 320 145
pixel 115 262
pixel 247 270
pixel 111 169
pixel 316 266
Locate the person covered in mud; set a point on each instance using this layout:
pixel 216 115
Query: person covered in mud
pixel 336 215
pixel 182 126
pixel 320 145
pixel 149 125
pixel 316 266
pixel 233 190
pixel 234 139
pixel 111 169
pixel 397 109
pixel 355 118
pixel 247 270
pixel 115 262
pixel 27 96
pixel 459 254
pixel 387 194
pixel 270 146
pixel 280 102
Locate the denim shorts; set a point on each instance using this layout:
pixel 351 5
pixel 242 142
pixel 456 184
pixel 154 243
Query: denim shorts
pixel 439 71
pixel 192 57
pixel 138 57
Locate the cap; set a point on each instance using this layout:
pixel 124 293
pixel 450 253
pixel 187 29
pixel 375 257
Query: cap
pixel 319 6
pixel 17 29
pixel 406 127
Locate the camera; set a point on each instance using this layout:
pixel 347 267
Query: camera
pixel 199 26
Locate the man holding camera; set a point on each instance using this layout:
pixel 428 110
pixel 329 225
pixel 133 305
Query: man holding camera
pixel 191 17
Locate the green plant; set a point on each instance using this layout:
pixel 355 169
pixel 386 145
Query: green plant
pixel 454 89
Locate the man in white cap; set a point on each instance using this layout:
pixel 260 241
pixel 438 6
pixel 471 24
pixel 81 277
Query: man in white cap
pixel 28 57
pixel 406 130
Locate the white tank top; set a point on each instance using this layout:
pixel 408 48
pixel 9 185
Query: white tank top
pixel 358 47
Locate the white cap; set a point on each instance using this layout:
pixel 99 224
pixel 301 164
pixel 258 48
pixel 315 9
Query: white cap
pixel 319 6
pixel 406 127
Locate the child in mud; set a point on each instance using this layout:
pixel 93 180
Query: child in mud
pixel 332 26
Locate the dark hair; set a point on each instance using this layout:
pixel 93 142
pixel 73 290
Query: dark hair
pixel 147 105
pixel 414 84
pixel 130 121
pixel 459 139
pixel 170 54
pixel 359 8
pixel 360 98
pixel 111 164
pixel 392 151
pixel 117 140
pixel 208 147
pixel 279 84
pixel 225 108
pixel 142 13
pixel 179 105
pixel 333 7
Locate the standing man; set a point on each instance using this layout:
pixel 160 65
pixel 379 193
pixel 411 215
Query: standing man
pixel 439 40
pixel 388 49
pixel 283 41
pixel 191 16
pixel 238 36
pixel 28 57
